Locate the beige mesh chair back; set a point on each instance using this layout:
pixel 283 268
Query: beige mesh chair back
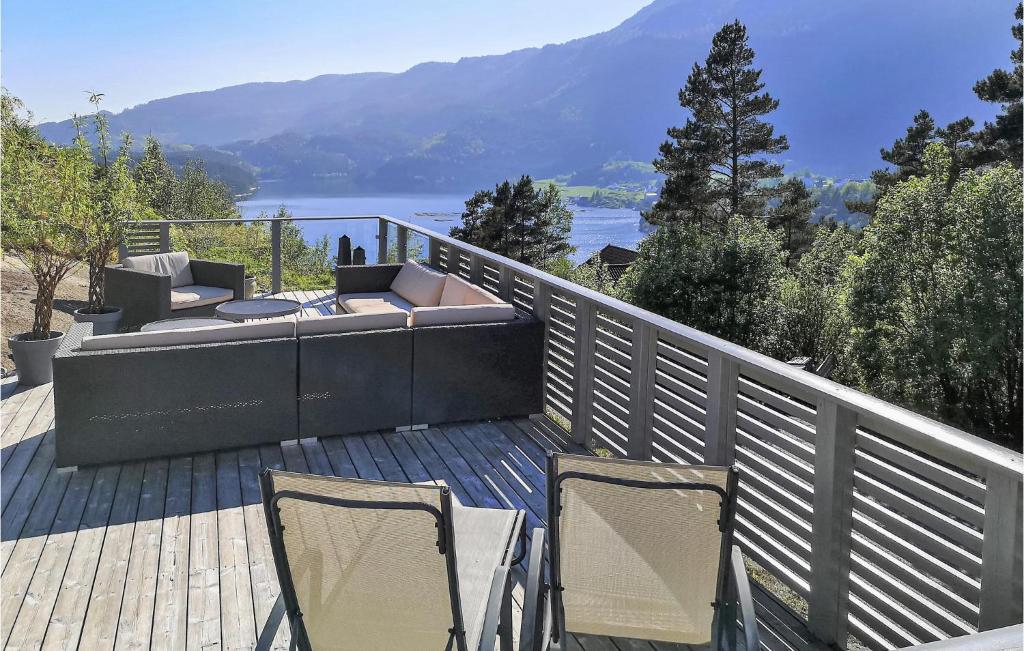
pixel 364 565
pixel 639 550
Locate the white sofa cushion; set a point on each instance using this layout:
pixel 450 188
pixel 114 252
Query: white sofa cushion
pixel 419 285
pixel 461 314
pixel 458 291
pixel 198 296
pixel 476 295
pixel 269 329
pixel 173 264
pixel 455 289
pixel 374 302
pixel 325 325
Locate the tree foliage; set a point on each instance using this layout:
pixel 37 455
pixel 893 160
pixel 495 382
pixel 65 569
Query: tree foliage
pixel 46 196
pixel 519 222
pixel 726 283
pixel 791 216
pixel 935 300
pixel 713 163
pixel 1002 139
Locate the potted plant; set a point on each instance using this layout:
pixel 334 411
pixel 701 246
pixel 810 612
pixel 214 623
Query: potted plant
pixel 104 229
pixel 46 193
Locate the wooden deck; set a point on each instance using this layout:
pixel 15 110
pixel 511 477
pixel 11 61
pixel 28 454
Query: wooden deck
pixel 173 553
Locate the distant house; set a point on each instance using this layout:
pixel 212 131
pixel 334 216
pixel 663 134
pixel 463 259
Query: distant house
pixel 616 258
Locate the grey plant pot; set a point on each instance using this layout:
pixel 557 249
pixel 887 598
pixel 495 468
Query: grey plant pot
pixel 106 322
pixel 34 358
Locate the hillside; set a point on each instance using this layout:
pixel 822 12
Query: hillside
pixel 575 106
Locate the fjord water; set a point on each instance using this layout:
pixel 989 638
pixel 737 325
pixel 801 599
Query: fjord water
pixel 592 228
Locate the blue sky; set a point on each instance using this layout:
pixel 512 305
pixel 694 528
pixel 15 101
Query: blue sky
pixel 139 50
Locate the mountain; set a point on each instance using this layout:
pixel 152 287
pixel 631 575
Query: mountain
pixel 849 75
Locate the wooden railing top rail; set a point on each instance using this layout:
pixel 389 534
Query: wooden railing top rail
pixel 925 434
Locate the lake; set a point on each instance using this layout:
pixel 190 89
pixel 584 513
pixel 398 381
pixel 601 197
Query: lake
pixel 592 228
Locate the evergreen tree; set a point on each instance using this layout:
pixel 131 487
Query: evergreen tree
pixel 907 156
pixel 713 162
pixel 792 217
pixel 155 177
pixel 518 222
pixel 1003 139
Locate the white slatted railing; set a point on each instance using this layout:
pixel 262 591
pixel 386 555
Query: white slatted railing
pixel 888 525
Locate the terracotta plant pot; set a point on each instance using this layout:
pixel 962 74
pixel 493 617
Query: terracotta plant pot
pixel 106 322
pixel 34 357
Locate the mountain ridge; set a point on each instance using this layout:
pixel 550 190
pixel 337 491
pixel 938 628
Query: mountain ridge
pixel 454 126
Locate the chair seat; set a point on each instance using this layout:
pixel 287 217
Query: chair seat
pixel 190 296
pixel 483 538
pixel 374 302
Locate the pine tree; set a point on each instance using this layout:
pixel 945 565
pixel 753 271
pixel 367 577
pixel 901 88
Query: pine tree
pixel 907 155
pixel 792 217
pixel 155 177
pixel 713 162
pixel 518 222
pixel 1003 139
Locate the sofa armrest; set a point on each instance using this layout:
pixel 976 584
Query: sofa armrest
pixel 142 295
pixel 355 279
pixel 219 274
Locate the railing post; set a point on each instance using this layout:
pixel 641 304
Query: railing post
pixel 506 280
pixel 275 256
pixel 403 244
pixel 541 310
pixel 165 238
pixel 382 241
pixel 720 426
pixel 434 254
pixel 1000 602
pixel 641 387
pixel 476 269
pixel 831 525
pixel 454 260
pixel 583 371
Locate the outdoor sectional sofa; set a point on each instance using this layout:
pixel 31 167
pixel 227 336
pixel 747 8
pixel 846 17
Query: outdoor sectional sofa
pixel 153 394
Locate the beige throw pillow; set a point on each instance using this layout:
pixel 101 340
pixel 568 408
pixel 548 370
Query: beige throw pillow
pixel 175 265
pixel 419 285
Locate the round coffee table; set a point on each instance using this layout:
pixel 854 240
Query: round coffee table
pixel 257 308
pixel 184 323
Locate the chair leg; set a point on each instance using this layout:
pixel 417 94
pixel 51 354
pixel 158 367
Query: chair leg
pixel 505 628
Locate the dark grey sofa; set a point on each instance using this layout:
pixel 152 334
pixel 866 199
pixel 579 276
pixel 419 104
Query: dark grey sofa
pixel 471 371
pixel 116 405
pixel 145 297
pixel 355 382
pixel 477 371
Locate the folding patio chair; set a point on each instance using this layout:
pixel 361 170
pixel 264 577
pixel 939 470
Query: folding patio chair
pixel 638 550
pixel 382 565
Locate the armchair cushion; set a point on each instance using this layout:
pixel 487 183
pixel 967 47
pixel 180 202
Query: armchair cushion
pixel 455 290
pixel 175 264
pixel 190 296
pixel 419 285
pixel 374 302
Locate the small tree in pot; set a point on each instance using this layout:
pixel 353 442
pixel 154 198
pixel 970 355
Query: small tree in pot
pixel 45 197
pixel 104 229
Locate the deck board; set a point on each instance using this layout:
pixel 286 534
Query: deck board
pixel 174 553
